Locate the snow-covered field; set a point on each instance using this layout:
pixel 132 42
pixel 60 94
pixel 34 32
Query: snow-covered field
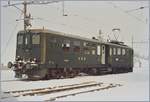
pixel 135 86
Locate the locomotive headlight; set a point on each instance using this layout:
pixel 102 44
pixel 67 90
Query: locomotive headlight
pixel 17 58
pixel 28 65
pixel 34 59
pixel 9 65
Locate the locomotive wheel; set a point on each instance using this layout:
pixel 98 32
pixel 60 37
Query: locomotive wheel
pixel 130 70
pixel 72 74
pixel 114 71
pixel 59 74
pixel 93 71
pixel 47 76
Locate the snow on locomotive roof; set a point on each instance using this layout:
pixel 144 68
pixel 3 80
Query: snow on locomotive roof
pixel 71 36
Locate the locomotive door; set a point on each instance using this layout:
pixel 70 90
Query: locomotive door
pixel 103 54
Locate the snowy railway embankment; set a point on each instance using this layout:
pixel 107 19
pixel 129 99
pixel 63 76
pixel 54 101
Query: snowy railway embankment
pixel 116 87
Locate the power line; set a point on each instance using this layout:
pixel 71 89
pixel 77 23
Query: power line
pixel 62 24
pixel 142 7
pixel 115 6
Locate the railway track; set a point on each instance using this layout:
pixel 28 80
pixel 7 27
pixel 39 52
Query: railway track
pixel 9 80
pixel 23 79
pixel 51 90
pixel 81 92
pixel 17 93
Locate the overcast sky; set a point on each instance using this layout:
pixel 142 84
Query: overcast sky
pixel 84 18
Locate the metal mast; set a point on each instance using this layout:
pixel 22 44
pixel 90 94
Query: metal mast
pixel 25 15
pixel 132 41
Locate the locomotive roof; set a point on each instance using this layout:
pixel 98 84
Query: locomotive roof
pixel 70 36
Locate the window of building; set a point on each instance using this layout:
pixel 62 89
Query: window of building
pixel 20 39
pixel 118 51
pixel 123 51
pixel 110 51
pixel 35 39
pixel 114 51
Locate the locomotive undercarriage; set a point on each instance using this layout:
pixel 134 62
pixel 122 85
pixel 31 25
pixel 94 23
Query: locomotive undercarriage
pixel 72 72
pixel 35 71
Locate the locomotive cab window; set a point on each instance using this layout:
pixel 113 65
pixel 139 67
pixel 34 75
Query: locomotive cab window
pixel 35 39
pixel 110 51
pixel 114 51
pixel 123 51
pixel 98 50
pixel 20 40
pixel 27 39
pixel 118 51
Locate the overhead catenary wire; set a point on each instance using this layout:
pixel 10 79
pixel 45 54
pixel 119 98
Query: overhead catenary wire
pixel 62 24
pixel 82 29
pixel 142 7
pixel 129 14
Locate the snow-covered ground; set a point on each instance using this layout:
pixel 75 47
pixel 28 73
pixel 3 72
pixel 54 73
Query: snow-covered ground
pixel 135 86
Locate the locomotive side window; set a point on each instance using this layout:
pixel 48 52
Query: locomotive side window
pixel 86 51
pixel 36 39
pixel 76 46
pixel 123 51
pixel 93 52
pixel 76 49
pixel 20 39
pixel 66 45
pixel 53 43
pixel 76 43
pixel 114 51
pixel 118 51
pixel 110 51
pixel 98 50
pixel 85 43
